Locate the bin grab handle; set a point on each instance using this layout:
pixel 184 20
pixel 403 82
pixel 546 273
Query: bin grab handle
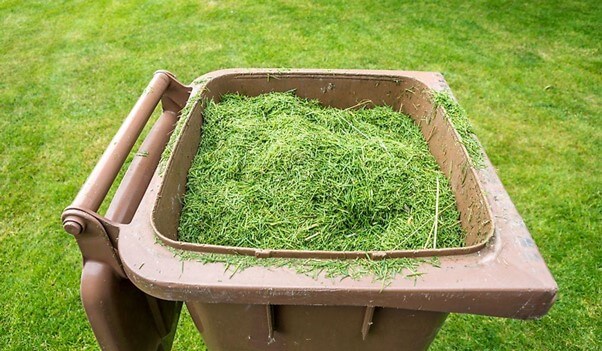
pixel 163 87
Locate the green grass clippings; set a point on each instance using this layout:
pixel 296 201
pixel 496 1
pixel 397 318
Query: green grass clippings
pixel 175 135
pixel 382 271
pixel 280 172
pixel 460 121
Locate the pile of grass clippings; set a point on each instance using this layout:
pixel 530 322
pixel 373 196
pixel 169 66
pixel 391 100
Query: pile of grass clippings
pixel 280 172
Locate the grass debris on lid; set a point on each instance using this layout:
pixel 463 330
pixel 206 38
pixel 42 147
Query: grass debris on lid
pixel 280 172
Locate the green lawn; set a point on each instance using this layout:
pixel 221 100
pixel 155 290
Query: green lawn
pixel 529 76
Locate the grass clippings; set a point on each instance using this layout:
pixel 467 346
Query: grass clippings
pixel 382 271
pixel 280 172
pixel 175 135
pixel 457 116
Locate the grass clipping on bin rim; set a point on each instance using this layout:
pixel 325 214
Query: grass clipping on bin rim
pixel 462 125
pixel 280 172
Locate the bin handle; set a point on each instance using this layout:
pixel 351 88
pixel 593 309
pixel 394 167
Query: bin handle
pixel 163 87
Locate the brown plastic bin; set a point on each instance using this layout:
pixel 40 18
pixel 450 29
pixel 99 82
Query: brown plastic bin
pixel 134 277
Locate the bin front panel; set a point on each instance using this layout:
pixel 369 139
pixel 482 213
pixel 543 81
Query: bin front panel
pixel 247 327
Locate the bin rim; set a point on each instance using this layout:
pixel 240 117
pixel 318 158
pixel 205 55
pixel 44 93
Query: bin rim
pixel 506 276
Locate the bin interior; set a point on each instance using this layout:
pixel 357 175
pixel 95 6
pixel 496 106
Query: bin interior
pixel 403 93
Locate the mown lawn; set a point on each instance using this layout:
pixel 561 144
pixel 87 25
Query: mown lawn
pixel 529 75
